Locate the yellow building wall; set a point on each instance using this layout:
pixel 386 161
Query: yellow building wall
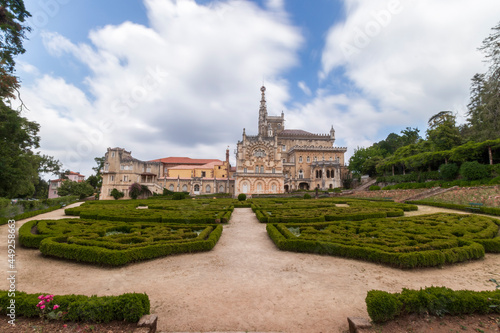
pixel 181 173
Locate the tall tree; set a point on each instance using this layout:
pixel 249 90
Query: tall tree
pixel 13 14
pixel 443 133
pixel 484 106
pixel 19 165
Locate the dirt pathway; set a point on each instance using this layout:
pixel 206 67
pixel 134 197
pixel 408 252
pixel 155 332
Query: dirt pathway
pixel 244 283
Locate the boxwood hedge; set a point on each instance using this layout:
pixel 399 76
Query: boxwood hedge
pixel 116 243
pixel 406 242
pixel 185 211
pixel 383 306
pixel 129 307
pixel 484 210
pixel 302 211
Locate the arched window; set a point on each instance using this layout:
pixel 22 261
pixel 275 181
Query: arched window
pixel 221 189
pixel 184 188
pixel 301 174
pixel 327 173
pixel 273 187
pixel 332 174
pixel 244 188
pixel 259 187
pixel 259 153
pixel 208 189
pixel 315 159
pixel 171 187
pixel 261 169
pixel 197 188
pixel 300 159
pixel 308 159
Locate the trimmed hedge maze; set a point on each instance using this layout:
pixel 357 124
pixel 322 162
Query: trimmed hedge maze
pixel 404 242
pixel 300 211
pixel 168 211
pixel 114 242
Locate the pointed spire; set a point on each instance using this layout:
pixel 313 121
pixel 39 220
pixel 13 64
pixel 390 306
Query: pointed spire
pixel 263 113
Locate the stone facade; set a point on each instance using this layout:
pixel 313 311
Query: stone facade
pixel 279 160
pixel 177 174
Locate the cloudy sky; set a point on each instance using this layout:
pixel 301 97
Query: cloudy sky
pixel 182 77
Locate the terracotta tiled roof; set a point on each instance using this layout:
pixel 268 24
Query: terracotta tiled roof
pixel 294 132
pixel 184 160
pixel 203 166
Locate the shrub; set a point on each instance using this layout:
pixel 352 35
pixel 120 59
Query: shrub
pixel 374 188
pixel 448 171
pixel 179 196
pixel 116 194
pixel 474 171
pixel 242 197
pixel 307 196
pixel 382 306
pixel 129 307
pixel 135 190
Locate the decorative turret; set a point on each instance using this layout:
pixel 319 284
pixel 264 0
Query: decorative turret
pixel 332 134
pixel 263 113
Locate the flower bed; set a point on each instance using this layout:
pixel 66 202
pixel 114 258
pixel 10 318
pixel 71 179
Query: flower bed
pixel 116 243
pixel 406 242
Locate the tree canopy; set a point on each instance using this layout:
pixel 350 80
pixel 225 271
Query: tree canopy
pixel 19 165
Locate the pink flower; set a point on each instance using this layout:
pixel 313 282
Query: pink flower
pixel 42 307
pixel 41 297
pixel 65 325
pixel 55 306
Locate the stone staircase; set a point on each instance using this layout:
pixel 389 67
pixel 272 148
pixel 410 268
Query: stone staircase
pixel 429 193
pixel 365 186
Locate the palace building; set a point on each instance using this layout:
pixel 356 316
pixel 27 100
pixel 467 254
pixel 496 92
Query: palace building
pixel 279 160
pixel 276 160
pixel 177 174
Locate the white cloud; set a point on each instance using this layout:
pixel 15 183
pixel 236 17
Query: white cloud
pixel 410 59
pixel 185 85
pixel 303 86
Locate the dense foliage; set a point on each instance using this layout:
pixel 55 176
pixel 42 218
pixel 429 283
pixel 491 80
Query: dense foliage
pixel 19 165
pixel 80 189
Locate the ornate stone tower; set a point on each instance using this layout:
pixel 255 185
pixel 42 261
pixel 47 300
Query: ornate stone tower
pixel 263 113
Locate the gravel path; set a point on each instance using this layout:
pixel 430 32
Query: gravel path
pixel 244 283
